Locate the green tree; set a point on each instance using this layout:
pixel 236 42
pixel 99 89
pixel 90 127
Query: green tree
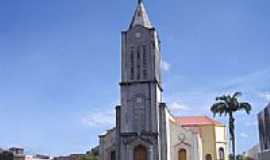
pixel 239 157
pixel 6 155
pixel 248 158
pixel 228 105
pixel 89 157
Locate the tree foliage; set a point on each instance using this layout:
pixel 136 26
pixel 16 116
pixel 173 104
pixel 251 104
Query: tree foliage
pixel 89 157
pixel 6 155
pixel 228 105
pixel 240 157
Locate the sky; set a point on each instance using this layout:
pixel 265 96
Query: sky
pixel 60 65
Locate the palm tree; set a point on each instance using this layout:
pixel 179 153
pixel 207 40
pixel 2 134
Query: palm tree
pixel 228 105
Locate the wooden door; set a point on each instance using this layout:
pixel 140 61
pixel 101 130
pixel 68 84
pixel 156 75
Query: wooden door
pixel 182 154
pixel 208 157
pixel 140 153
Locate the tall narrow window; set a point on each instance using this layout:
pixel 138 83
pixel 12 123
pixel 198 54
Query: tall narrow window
pixel 144 62
pixel 144 57
pixel 153 45
pixel 132 64
pixel 113 155
pixel 131 73
pixel 138 63
pixel 221 153
pixel 145 74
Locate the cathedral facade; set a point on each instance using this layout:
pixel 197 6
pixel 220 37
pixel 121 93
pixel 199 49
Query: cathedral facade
pixel 145 128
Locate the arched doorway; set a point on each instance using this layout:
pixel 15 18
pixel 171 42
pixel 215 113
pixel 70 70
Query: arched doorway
pixel 221 153
pixel 140 153
pixel 182 154
pixel 208 157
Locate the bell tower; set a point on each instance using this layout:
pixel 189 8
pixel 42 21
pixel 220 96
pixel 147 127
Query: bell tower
pixel 141 89
pixel 140 83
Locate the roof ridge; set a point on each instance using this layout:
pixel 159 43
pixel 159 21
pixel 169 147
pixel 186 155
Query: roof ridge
pixel 197 120
pixel 192 116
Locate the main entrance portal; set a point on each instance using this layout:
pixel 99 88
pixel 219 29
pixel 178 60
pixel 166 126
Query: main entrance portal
pixel 182 154
pixel 140 153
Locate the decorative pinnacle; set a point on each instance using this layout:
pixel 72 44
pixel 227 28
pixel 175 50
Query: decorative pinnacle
pixel 140 1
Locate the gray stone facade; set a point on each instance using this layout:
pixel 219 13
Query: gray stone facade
pixel 143 123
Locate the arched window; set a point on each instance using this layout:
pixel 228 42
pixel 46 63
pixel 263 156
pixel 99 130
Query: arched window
pixel 113 155
pixel 140 153
pixel 182 154
pixel 208 157
pixel 221 153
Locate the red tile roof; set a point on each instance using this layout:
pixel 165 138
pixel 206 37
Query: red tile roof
pixel 196 121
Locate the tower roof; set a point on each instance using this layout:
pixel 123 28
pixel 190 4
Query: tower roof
pixel 140 17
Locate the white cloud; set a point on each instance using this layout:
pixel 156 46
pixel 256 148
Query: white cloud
pixel 252 81
pixel 165 66
pixel 99 118
pixel 243 135
pixel 177 106
pixel 265 95
pixel 251 123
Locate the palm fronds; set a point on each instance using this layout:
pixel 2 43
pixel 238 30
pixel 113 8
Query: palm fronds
pixel 229 104
pixel 219 108
pixel 245 106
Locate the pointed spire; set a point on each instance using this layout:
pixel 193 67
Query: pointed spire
pixel 141 17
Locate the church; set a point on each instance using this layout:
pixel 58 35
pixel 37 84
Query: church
pixel 145 128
